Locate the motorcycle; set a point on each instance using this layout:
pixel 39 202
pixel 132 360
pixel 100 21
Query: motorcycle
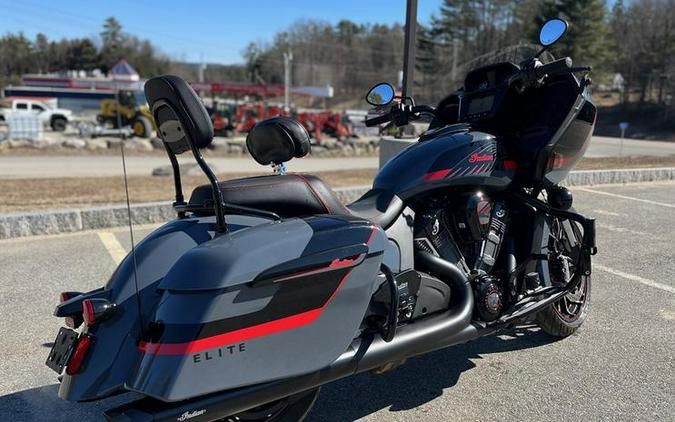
pixel 263 289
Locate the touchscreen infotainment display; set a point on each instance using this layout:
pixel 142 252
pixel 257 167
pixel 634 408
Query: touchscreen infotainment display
pixel 481 104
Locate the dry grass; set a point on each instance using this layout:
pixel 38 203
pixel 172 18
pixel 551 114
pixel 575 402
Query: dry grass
pixel 638 161
pixel 37 194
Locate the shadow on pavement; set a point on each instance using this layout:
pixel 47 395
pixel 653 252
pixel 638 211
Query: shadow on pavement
pixel 419 381
pixel 43 404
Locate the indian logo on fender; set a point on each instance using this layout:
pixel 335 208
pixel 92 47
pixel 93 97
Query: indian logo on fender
pixel 189 415
pixel 476 157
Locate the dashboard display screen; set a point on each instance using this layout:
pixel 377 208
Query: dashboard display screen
pixel 481 104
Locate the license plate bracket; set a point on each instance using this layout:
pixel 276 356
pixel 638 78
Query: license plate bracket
pixel 62 349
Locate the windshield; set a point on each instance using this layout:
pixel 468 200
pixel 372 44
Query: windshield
pixel 449 77
pixel 515 54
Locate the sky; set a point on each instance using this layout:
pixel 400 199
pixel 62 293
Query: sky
pixel 209 31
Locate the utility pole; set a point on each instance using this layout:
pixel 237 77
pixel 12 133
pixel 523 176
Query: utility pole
pixel 201 69
pixel 288 59
pixel 409 48
pixel 454 61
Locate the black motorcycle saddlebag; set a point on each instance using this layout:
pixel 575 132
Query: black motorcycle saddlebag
pixel 267 302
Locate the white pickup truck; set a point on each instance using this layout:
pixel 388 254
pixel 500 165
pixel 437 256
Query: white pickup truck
pixel 56 118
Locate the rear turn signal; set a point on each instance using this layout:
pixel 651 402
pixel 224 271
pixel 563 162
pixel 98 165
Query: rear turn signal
pixel 78 355
pixel 96 310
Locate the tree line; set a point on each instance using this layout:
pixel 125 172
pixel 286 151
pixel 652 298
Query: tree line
pixel 19 54
pixel 635 39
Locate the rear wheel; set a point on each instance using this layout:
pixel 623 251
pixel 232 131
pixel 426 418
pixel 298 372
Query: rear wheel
pixel 289 409
pixel 564 317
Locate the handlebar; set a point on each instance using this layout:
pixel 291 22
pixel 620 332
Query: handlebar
pixel 401 114
pixel 378 120
pixel 553 68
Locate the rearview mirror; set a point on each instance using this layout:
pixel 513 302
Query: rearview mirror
pixel 552 31
pixel 381 94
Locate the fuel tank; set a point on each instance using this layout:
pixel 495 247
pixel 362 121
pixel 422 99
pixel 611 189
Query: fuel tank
pixel 451 156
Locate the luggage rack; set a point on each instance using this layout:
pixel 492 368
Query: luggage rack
pixel 207 206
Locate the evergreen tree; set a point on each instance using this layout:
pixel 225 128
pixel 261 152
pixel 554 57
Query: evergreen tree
pixel 41 51
pixel 112 40
pixel 585 39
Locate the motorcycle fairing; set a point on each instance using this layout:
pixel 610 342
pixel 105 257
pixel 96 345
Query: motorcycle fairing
pixel 278 300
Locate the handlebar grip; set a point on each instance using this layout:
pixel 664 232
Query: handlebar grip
pixel 424 109
pixel 557 66
pixel 378 120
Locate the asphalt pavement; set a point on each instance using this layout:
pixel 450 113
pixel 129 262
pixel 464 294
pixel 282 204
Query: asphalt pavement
pixel 47 166
pixel 606 146
pixel 619 366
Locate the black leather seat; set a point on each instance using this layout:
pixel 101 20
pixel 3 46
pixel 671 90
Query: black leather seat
pixel 297 195
pixel 275 141
pixel 290 195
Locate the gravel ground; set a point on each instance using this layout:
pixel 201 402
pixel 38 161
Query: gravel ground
pixel 619 366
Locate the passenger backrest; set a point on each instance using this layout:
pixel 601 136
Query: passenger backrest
pixel 277 140
pixel 179 113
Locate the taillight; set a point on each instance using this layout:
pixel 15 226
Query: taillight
pixel 88 312
pixel 78 355
pixel 95 310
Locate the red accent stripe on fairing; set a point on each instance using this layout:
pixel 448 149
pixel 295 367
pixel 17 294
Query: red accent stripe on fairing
pixel 510 164
pixel 435 175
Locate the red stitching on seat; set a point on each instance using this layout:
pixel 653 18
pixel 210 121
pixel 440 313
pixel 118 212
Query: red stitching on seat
pixel 314 192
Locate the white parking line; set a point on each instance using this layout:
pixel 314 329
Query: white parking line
pixel 621 229
pixel 613 214
pixel 646 201
pixel 645 281
pixel 115 249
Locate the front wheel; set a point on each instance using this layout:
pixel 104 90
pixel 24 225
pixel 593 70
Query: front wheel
pixel 289 409
pixel 563 318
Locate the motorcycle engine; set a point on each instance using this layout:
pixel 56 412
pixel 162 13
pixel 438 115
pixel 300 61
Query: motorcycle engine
pixel 489 298
pixel 469 234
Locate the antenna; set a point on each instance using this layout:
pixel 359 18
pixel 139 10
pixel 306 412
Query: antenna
pixel 126 191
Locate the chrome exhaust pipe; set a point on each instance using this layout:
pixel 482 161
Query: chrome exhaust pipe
pixel 422 336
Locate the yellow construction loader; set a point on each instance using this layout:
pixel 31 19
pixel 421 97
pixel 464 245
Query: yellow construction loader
pixel 133 111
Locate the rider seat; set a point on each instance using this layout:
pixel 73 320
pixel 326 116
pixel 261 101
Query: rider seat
pixel 289 195
pixel 273 142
